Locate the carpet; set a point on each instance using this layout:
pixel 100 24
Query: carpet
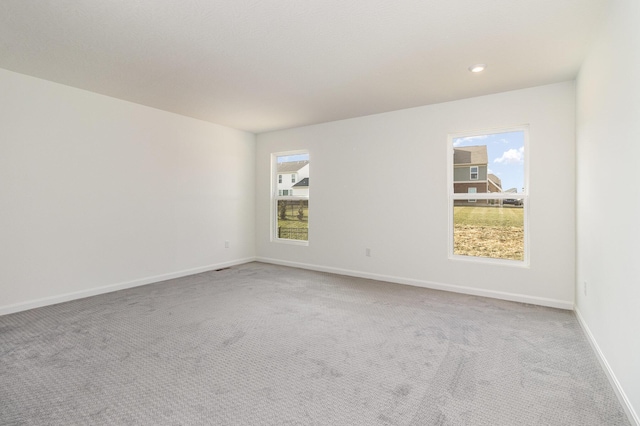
pixel 259 344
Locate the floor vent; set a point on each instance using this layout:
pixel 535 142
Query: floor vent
pixel 221 269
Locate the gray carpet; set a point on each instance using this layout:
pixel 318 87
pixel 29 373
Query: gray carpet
pixel 260 344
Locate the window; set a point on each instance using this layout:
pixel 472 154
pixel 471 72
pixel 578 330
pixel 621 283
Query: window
pixel 290 203
pixel 473 173
pixel 488 218
pixel 472 191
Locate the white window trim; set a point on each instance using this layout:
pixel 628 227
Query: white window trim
pixel 489 196
pixel 477 173
pixel 275 197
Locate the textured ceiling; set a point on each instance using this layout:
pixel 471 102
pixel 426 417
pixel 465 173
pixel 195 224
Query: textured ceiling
pixel 261 65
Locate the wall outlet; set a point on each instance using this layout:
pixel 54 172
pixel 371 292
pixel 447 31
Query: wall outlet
pixel 367 252
pixel 226 244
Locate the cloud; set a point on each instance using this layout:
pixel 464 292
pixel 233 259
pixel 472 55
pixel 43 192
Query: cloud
pixel 468 139
pixel 512 156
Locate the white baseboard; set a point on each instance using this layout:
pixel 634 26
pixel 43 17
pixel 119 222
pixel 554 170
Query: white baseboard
pixel 52 300
pixel 622 397
pixel 561 304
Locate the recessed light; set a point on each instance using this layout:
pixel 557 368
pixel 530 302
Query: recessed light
pixel 477 67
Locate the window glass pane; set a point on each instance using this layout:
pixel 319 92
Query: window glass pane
pixel 293 219
pixel 297 166
pixel 292 214
pixel 489 228
pixel 489 163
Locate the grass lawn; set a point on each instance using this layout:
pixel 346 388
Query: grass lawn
pixel 292 222
pixel 495 232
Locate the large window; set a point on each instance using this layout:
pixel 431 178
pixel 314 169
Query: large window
pixel 290 198
pixel 488 196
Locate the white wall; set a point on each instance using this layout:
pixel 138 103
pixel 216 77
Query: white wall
pixel 608 206
pixel 380 182
pixel 97 193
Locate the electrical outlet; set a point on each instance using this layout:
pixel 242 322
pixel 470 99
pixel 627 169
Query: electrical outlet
pixel 226 244
pixel 367 252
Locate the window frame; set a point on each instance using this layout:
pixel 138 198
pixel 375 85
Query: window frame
pixel 275 197
pixel 471 172
pixel 475 191
pixel 452 197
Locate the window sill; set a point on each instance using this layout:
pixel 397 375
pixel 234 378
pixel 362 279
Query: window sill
pixel 291 242
pixel 490 261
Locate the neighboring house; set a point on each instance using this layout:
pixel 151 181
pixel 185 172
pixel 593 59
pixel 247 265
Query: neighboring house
pixel 289 174
pixel 301 188
pixel 471 173
pixel 494 184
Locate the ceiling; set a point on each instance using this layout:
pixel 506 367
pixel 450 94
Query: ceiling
pixel 261 65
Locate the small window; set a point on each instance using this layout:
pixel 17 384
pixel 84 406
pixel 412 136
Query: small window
pixel 290 206
pixel 472 191
pixel 473 175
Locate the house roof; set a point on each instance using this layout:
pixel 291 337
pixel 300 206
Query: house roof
pixel 476 154
pixel 495 179
pixel 291 166
pixel 304 182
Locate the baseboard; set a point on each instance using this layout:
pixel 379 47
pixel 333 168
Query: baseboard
pixel 622 397
pixel 52 300
pixel 561 304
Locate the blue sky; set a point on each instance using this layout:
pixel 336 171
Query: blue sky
pixel 288 158
pixel 506 155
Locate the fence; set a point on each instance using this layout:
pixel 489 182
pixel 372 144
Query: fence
pixel 293 233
